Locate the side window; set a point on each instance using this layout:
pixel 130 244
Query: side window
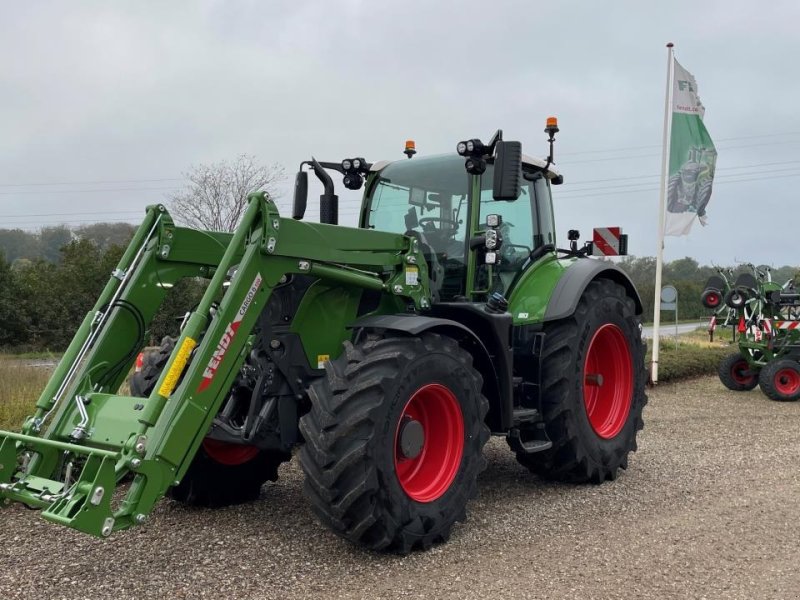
pixel 544 205
pixel 389 207
pixel 518 218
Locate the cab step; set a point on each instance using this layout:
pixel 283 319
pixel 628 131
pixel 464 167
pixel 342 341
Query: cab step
pixel 535 440
pixel 523 416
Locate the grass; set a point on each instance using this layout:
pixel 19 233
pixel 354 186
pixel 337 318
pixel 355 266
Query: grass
pixel 20 386
pixel 695 355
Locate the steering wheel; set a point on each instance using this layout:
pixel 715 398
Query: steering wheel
pixel 450 223
pixel 512 257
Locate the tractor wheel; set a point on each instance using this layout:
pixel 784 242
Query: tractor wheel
pixel 736 299
pixel 780 380
pixel 711 298
pixel 143 381
pixel 221 474
pixel 593 380
pixel 394 440
pixel 735 373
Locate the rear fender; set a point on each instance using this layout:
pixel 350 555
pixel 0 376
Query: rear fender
pixel 569 289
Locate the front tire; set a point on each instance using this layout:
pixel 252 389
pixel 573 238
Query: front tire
pixel 394 440
pixel 780 380
pixel 221 474
pixel 735 373
pixel 593 380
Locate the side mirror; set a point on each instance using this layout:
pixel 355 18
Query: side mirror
pixel 300 195
pixel 507 171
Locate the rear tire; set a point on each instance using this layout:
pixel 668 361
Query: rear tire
pixel 780 380
pixel 593 380
pixel 358 479
pixel 221 474
pixel 732 373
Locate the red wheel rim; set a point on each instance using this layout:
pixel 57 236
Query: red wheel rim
pixel 738 373
pixel 428 475
pixel 229 454
pixel 608 381
pixel 712 300
pixel 787 381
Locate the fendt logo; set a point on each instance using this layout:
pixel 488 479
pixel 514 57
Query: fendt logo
pixel 227 337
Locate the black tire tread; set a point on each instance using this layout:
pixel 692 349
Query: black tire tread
pixel 342 481
pixel 724 371
pixel 766 379
pixel 568 460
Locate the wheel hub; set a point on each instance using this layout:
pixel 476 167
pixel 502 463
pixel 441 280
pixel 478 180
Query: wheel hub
pixel 411 438
pixel 429 442
pixel 608 381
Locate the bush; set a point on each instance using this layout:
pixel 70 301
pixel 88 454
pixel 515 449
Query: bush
pixel 691 359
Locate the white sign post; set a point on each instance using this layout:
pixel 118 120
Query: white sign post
pixel 669 301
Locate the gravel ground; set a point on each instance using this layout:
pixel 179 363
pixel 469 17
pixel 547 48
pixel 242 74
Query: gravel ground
pixel 707 509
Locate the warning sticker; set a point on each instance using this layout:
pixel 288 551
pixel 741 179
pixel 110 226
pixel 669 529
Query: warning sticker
pixel 174 373
pixel 322 359
pixel 412 275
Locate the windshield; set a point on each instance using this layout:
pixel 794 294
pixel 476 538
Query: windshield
pixel 427 199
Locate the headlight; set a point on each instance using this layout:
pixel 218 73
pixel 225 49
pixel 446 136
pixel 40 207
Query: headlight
pixel 347 164
pixel 461 148
pixel 356 163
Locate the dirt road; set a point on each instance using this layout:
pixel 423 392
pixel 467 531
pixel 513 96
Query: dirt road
pixel 709 508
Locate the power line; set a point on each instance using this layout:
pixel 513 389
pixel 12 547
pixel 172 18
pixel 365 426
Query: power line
pixel 634 156
pixel 100 182
pixel 651 189
pixel 719 179
pixel 94 191
pixel 737 167
pixel 730 139
pixel 72 214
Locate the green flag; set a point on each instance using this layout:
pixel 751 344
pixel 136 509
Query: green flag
pixel 692 157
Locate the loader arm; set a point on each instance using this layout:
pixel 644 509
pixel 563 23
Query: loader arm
pixel 84 438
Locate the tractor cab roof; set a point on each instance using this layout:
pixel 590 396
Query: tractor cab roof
pixel 532 161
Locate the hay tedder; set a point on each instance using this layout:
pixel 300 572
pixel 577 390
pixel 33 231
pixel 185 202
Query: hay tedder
pixel 766 315
pixel 386 353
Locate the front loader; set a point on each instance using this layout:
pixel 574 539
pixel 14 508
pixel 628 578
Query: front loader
pixel 387 353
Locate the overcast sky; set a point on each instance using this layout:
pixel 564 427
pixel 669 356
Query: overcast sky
pixel 135 93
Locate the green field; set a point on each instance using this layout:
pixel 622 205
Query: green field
pixel 20 386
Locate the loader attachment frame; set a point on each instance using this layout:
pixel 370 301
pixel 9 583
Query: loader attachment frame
pixel 84 438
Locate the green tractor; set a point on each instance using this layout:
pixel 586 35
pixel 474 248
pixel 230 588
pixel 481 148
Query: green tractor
pixel 388 354
pixel 768 352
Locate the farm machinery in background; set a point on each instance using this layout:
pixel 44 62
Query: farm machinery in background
pixel 382 356
pixel 766 317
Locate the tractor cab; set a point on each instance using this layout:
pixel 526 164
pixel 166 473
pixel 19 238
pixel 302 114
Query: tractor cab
pixel 451 211
pixel 481 216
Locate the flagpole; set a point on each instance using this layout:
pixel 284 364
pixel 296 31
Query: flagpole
pixel 661 212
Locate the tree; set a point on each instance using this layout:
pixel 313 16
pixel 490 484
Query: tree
pixel 52 240
pixel 106 235
pixel 16 243
pixel 216 195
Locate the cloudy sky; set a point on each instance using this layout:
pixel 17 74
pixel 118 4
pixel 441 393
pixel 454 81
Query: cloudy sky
pixel 132 94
